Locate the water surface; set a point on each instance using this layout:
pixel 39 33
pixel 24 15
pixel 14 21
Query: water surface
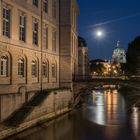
pixel 104 115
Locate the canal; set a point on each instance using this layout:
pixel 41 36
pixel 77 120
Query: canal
pixel 104 115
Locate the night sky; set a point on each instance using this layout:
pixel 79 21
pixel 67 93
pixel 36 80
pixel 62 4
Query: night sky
pixel 118 19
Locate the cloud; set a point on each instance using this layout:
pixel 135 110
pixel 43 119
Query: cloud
pixel 115 20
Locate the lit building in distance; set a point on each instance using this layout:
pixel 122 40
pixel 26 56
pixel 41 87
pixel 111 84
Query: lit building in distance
pixel 100 67
pixel 119 55
pixel 83 60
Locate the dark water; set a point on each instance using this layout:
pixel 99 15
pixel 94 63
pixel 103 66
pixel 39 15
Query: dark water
pixel 103 116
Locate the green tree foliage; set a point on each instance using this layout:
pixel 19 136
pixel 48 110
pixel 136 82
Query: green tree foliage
pixel 96 67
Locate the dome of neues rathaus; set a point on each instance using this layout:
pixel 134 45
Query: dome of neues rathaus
pixel 119 54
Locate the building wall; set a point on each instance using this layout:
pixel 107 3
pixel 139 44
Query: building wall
pixel 54 102
pixel 14 48
pixel 83 62
pixel 68 41
pixel 15 89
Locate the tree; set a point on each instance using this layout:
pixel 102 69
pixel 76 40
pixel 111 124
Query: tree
pixel 97 67
pixel 133 57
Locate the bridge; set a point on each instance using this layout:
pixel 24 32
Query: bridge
pixel 88 84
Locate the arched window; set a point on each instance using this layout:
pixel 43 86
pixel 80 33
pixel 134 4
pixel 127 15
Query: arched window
pixel 45 69
pixel 53 70
pixel 34 68
pixel 4 66
pixel 21 67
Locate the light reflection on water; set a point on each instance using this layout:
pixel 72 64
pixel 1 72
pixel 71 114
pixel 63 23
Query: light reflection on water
pixel 108 107
pixel 103 116
pixel 135 120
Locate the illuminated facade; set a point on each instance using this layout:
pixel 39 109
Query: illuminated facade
pixel 83 61
pixel 119 55
pixel 68 42
pixel 29 40
pixel 103 67
pixel 38 50
pixel 33 43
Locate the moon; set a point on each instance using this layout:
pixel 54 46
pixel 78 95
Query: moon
pixel 99 33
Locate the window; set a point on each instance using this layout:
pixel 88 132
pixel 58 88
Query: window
pixel 4 66
pixel 35 3
pixel 21 67
pixel 54 41
pixel 53 71
pixel 46 6
pixel 34 68
pixel 54 8
pixel 44 69
pixel 46 38
pixel 6 21
pixel 35 32
pixel 22 23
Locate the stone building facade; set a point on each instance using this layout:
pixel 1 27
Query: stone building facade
pixel 68 41
pixel 83 60
pixel 32 36
pixel 38 48
pixel 29 46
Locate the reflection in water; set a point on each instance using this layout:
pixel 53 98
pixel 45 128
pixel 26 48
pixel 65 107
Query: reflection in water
pixel 103 116
pixel 136 122
pixel 109 107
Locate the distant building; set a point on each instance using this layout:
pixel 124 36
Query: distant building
pixel 83 60
pixel 119 55
pixel 100 67
pixel 101 61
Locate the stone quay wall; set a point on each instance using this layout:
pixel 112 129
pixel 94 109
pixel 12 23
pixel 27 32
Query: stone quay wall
pixel 56 103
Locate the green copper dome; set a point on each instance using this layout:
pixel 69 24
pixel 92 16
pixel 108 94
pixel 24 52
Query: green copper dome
pixel 119 55
pixel 118 48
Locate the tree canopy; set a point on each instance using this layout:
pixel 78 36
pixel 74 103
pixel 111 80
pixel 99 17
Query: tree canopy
pixel 133 57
